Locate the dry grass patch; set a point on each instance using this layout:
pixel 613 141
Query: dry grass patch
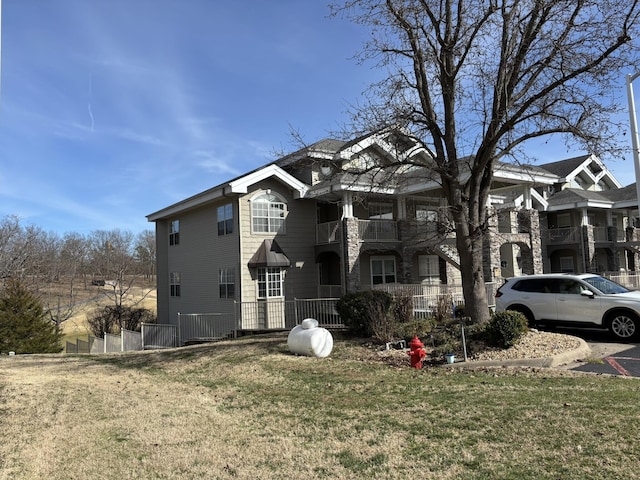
pixel 249 409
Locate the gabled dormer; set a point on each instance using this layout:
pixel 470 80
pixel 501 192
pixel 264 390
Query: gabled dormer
pixel 586 172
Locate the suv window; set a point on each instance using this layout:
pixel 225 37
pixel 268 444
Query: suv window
pixel 534 285
pixel 569 286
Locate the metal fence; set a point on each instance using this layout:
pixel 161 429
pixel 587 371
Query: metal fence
pixel 126 341
pixel 155 336
pixel 283 314
pixel 197 327
pixel 273 315
pixel 80 346
pixel 629 280
pixel 430 293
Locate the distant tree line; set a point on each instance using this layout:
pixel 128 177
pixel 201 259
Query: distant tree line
pixel 58 268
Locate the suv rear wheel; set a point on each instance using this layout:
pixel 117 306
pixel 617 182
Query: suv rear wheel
pixel 526 312
pixel 623 325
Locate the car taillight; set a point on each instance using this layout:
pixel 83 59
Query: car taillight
pixel 498 293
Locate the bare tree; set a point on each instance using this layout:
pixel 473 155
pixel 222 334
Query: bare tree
pixel 145 253
pixel 71 261
pixel 112 258
pixel 17 247
pixel 474 80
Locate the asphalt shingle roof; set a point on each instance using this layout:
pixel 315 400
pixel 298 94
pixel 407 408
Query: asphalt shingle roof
pixel 563 168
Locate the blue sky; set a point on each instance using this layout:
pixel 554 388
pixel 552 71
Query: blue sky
pixel 113 109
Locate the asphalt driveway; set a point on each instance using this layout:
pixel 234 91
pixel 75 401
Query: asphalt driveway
pixel 607 356
pixel 625 363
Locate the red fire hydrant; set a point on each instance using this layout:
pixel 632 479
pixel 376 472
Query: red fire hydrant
pixel 417 352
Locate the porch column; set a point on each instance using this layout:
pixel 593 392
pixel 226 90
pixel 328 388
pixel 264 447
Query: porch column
pixel 402 208
pixel 527 197
pixel 491 247
pixel 588 249
pixel 347 205
pixel 351 262
pixel 529 220
pixel 544 240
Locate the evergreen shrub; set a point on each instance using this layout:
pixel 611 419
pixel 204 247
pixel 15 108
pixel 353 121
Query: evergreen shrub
pixel 506 328
pixel 359 310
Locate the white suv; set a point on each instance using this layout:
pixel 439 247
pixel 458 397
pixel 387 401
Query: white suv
pixel 584 300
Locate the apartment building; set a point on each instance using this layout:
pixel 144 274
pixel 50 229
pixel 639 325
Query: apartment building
pixel 308 226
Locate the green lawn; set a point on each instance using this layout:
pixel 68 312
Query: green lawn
pixel 249 409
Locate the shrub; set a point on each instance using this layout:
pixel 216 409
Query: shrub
pixel 458 311
pixel 358 309
pixel 444 309
pixel 506 328
pixel 110 319
pixel 420 327
pixel 403 306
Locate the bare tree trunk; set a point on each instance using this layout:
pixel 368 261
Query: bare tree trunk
pixel 476 305
pixel 470 250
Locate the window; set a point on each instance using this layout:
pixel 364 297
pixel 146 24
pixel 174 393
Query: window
pixel 429 268
pixel 383 270
pixel 267 214
pixel 174 284
pixel 569 286
pixel 174 232
pixel 564 220
pixel 227 277
pixel 426 214
pixel 225 219
pixel 566 264
pixel 381 211
pixel 270 282
pixel 534 285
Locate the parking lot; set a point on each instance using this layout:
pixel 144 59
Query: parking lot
pixel 607 356
pixel 625 363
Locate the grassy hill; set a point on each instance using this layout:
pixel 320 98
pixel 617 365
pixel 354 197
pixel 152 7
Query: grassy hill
pixel 249 409
pixel 143 294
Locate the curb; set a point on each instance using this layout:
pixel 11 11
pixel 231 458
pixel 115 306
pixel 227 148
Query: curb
pixel 583 351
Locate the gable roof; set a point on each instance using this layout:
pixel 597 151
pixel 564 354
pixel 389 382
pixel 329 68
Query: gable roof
pixel 588 167
pixel 625 197
pixel 563 168
pixel 238 185
pixel 323 149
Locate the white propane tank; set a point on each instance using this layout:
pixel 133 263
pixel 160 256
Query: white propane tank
pixel 309 339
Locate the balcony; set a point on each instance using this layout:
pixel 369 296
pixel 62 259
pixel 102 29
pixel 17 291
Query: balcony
pixel 563 235
pixel 329 232
pixel 377 230
pixel 600 234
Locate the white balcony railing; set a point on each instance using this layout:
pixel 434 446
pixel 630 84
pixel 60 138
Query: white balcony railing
pixel 563 235
pixel 329 232
pixel 600 234
pixel 377 230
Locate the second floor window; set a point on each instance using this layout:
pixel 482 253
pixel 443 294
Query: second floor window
pixel 267 214
pixel 225 219
pixel 563 220
pixel 174 232
pixel 381 211
pixel 174 284
pixel 426 214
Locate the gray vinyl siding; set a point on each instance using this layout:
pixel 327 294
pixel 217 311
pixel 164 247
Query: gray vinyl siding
pixel 297 242
pixel 198 258
pixel 162 270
